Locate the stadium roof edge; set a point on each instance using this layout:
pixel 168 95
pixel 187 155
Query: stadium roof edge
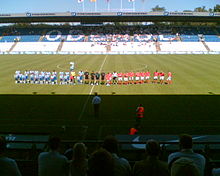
pixel 111 17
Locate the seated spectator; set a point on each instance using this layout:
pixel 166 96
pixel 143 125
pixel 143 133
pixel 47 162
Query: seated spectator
pixel 69 153
pixel 186 144
pixel 52 163
pixel 151 166
pixel 216 172
pixel 184 167
pixel 121 165
pixel 101 163
pixel 8 166
pixel 79 164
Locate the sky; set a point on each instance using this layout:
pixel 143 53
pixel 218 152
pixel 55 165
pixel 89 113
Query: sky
pixel 33 6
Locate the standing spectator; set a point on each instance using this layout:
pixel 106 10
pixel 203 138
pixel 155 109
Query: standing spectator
pixel 140 113
pixel 8 166
pixel 101 163
pixel 121 165
pixel 151 166
pixel 96 104
pixel 186 144
pixel 79 164
pixel 184 167
pixel 52 163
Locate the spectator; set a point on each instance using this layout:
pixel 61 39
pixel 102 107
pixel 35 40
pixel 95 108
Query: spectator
pixel 216 172
pixel 79 164
pixel 121 165
pixel 69 154
pixel 134 130
pixel 101 163
pixel 186 144
pixel 52 163
pixel 140 113
pixel 8 166
pixel 184 167
pixel 151 166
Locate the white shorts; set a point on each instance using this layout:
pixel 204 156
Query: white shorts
pixel 142 78
pixel 162 78
pixel 155 77
pixel 147 77
pixel 120 78
pixel 125 78
pixel 169 78
pixel 137 78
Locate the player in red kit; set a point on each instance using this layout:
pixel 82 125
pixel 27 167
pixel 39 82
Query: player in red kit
pixel 162 74
pixel 142 74
pixel 147 77
pixel 126 78
pixel 156 74
pixel 108 79
pixel 120 78
pixel 130 76
pixel 169 79
pixel 137 77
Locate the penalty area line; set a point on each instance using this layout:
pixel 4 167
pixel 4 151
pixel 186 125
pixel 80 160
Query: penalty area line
pixel 90 93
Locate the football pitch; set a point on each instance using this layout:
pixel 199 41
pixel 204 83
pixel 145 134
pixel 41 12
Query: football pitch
pixel 189 105
pixel 192 74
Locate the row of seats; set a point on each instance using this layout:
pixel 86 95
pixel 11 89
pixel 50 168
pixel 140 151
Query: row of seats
pixel 103 38
pixel 106 160
pixel 102 46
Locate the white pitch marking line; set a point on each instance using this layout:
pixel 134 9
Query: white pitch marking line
pixel 58 66
pixel 87 100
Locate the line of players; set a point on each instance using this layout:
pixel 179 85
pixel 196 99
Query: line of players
pixel 93 78
pixel 36 77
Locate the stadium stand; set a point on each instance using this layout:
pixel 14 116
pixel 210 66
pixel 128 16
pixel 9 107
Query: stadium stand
pixel 36 46
pixel 213 46
pixel 4 47
pixel 182 46
pixel 111 39
pixel 26 157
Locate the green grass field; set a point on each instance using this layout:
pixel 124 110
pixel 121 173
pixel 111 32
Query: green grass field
pixel 190 105
pixel 192 74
